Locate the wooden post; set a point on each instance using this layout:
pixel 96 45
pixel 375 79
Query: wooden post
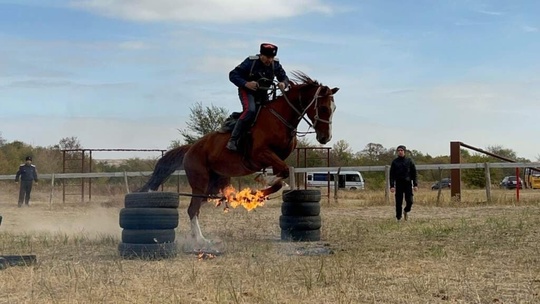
pixel 336 183
pixel 387 179
pixel 455 174
pixel 52 190
pixel 178 184
pixel 440 186
pixel 488 182
pixel 126 181
pixel 292 178
pixel 518 184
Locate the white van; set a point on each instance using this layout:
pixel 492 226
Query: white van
pixel 351 180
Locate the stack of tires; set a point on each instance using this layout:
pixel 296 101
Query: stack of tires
pixel 300 220
pixel 148 221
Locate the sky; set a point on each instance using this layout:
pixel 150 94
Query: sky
pixel 125 73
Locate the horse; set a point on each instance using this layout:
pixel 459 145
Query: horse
pixel 209 165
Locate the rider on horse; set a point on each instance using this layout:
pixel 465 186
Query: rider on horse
pixel 248 76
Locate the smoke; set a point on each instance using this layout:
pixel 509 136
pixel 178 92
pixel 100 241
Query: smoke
pixel 91 222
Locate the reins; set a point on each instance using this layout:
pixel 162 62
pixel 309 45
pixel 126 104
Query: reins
pixel 301 115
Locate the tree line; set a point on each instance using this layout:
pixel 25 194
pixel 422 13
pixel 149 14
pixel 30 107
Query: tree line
pixel 203 120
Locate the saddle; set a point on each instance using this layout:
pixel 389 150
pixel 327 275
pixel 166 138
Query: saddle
pixel 228 124
pixel 244 141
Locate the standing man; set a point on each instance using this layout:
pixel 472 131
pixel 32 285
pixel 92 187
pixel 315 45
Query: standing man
pixel 255 71
pixel 28 174
pixel 403 181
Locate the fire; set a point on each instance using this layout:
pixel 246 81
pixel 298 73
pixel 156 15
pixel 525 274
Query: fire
pixel 205 256
pixel 247 198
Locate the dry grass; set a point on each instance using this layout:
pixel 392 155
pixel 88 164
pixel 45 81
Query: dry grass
pixel 469 252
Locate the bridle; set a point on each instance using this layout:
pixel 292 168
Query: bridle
pixel 301 115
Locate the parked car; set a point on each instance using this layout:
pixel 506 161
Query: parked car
pixel 443 183
pixel 511 182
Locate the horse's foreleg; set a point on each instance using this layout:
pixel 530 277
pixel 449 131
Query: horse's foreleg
pixel 281 171
pixel 273 186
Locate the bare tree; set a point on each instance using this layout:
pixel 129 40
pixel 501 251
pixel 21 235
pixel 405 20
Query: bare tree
pixel 373 152
pixel 342 153
pixel 202 120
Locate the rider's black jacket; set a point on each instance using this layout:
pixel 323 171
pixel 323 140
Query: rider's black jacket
pixel 252 69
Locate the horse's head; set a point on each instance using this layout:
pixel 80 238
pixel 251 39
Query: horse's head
pixel 317 102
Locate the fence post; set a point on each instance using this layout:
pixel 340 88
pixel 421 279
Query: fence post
pixel 440 186
pixel 518 185
pixel 292 177
pixel 488 182
pixel 387 183
pixel 52 190
pixel 126 181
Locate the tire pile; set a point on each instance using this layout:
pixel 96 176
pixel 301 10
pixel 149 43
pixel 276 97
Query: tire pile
pixel 148 221
pixel 300 220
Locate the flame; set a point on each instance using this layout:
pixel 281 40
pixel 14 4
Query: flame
pixel 247 198
pixel 205 256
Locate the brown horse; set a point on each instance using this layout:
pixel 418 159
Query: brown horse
pixel 209 165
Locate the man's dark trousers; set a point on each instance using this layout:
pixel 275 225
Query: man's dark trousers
pixel 24 192
pixel 403 187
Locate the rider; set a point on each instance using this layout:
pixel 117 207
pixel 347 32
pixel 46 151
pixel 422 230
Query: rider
pixel 246 76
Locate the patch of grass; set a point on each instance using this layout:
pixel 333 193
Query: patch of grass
pixel 455 252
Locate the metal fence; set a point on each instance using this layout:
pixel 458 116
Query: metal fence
pixel 294 171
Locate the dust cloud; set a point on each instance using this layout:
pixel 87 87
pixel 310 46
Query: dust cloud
pixel 91 222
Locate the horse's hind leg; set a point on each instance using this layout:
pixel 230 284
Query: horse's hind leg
pixel 217 183
pixel 193 212
pixel 214 183
pixel 199 179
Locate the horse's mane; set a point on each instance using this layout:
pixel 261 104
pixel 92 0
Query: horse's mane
pixel 301 78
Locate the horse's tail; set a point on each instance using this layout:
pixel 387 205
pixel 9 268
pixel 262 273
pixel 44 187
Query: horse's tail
pixel 166 165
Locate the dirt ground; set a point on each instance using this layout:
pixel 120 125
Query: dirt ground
pixel 451 253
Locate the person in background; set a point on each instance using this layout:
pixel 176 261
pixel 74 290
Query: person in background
pixel 403 181
pixel 28 174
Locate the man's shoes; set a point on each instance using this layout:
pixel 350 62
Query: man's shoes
pixel 231 145
pixel 405 215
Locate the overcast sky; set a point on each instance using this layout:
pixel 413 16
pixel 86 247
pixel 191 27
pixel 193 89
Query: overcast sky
pixel 124 74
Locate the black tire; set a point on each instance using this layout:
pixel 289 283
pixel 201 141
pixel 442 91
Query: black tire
pixel 301 235
pixel 20 260
pixel 152 200
pixel 301 196
pixel 300 208
pixel 148 218
pixel 147 251
pixel 300 222
pixel 134 236
pixel 3 263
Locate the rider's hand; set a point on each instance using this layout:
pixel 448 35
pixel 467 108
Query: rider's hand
pixel 282 85
pixel 392 189
pixel 252 85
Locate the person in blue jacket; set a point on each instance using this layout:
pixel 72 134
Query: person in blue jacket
pixel 253 77
pixel 27 173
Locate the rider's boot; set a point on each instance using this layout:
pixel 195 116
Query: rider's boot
pixel 235 135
